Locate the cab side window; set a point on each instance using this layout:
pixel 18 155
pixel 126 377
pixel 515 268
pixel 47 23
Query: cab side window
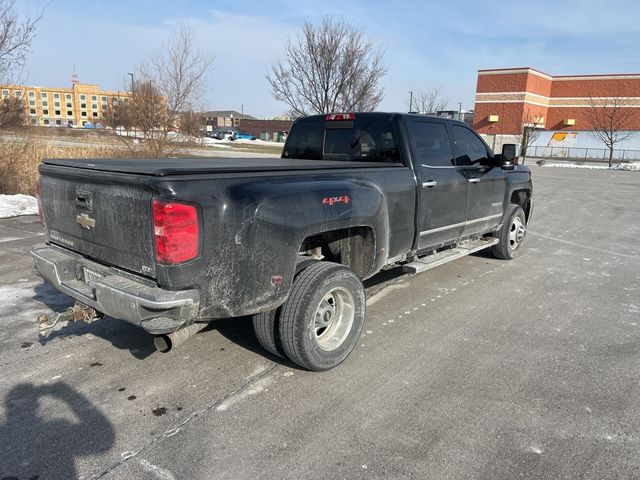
pixel 470 150
pixel 430 144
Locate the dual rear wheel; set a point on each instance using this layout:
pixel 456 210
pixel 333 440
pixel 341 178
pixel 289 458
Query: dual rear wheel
pixel 321 321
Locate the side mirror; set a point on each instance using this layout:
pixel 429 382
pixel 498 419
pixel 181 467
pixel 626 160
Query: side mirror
pixel 508 156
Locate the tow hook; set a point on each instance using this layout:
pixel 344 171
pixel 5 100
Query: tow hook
pixel 78 313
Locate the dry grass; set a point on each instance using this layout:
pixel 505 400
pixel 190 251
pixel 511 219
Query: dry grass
pixel 20 158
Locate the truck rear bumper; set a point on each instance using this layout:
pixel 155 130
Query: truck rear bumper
pixel 116 294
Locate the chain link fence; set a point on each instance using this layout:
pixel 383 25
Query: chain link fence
pixel 578 154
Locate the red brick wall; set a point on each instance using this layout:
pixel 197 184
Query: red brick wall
pixel 618 87
pixel 511 114
pixel 256 127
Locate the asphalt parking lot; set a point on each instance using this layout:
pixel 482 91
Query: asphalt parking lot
pixel 480 368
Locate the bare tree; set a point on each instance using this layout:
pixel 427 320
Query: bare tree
pixel 611 120
pixel 16 35
pixel 329 67
pixel 427 101
pixel 191 124
pixel 530 132
pixel 12 113
pixel 168 82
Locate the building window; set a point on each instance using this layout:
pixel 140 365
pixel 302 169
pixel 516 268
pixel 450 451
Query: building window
pixel 83 114
pixel 104 99
pixel 34 121
pixel 67 96
pixel 69 113
pixel 94 98
pixel 32 94
pixel 57 113
pixel 32 111
pixel 43 94
pixel 45 112
pixel 32 103
pixel 58 122
pixel 18 93
pixel 68 104
pixel 45 103
pixel 5 93
pixel 126 101
pixel 83 105
pixel 56 104
pixel 95 114
pixel 56 95
pixel 83 97
pixel 104 108
pixel 45 121
pixel 94 106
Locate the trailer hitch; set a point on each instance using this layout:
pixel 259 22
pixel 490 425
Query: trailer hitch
pixel 78 313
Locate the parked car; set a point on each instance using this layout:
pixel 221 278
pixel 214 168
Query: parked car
pixel 222 133
pixel 169 244
pixel 243 136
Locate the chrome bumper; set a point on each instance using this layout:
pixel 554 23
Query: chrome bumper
pixel 116 294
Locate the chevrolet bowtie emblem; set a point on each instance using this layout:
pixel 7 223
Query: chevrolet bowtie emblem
pixel 85 221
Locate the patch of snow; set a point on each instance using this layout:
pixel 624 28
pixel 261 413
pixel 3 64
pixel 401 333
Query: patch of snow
pixel 16 205
pixel 631 166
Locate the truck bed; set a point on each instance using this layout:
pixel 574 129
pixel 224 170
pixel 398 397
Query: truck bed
pixel 186 166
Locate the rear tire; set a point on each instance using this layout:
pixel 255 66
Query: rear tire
pixel 266 329
pixel 511 235
pixel 321 321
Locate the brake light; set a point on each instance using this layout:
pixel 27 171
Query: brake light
pixel 340 116
pixel 40 212
pixel 175 232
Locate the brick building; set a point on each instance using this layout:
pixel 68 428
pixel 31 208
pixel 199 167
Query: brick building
pixel 508 98
pixel 62 107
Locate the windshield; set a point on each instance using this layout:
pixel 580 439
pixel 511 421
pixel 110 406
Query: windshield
pixel 370 140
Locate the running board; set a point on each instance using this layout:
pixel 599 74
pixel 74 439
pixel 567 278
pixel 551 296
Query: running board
pixel 437 259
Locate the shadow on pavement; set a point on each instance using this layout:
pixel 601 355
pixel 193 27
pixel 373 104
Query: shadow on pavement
pixel 121 334
pixel 37 447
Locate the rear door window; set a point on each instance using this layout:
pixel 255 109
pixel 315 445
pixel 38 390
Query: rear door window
pixel 349 140
pixel 430 144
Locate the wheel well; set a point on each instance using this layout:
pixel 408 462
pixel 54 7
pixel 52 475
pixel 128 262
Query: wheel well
pixel 353 247
pixel 522 198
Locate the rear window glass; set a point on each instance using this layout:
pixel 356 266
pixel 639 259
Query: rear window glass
pixel 359 140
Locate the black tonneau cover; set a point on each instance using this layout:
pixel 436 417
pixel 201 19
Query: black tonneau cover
pixel 184 166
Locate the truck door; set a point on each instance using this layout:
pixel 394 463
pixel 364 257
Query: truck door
pixel 442 188
pixel 486 181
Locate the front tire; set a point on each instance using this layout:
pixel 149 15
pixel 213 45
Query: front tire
pixel 321 321
pixel 511 235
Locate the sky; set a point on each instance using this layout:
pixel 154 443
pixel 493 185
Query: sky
pixel 427 44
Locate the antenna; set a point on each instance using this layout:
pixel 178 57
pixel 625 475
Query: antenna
pixel 74 76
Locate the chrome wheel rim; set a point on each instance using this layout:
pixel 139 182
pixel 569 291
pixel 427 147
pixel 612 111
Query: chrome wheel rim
pixel 517 233
pixel 334 318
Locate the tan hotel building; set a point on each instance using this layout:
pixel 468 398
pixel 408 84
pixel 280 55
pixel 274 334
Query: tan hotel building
pixel 507 97
pixel 64 107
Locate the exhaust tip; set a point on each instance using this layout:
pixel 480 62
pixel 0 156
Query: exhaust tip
pixel 162 343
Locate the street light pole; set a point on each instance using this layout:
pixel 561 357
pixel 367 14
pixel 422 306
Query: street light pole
pixel 411 101
pixel 132 85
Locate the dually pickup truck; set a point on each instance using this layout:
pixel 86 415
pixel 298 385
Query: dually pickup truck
pixel 169 244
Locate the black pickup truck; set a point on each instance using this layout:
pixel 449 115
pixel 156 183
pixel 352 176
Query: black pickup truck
pixel 169 244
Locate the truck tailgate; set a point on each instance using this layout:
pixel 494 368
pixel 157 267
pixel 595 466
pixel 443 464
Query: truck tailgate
pixel 103 217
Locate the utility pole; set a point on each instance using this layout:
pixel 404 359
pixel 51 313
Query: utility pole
pixel 242 111
pixel 132 85
pixel 411 101
pixel 460 111
pixel 130 102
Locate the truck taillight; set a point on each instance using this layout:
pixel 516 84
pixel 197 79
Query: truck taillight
pixel 40 212
pixel 175 232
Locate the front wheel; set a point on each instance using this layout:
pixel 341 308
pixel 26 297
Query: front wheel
pixel 321 321
pixel 511 235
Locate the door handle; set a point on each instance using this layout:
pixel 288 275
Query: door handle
pixel 430 183
pixel 474 180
